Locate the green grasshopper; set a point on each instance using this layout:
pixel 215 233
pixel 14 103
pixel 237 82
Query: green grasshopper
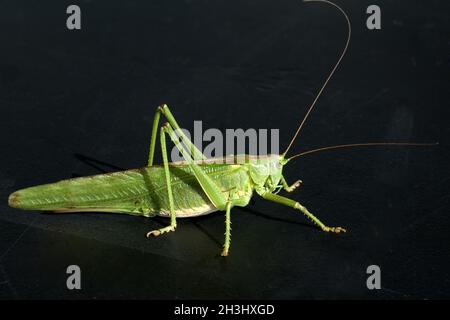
pixel 193 187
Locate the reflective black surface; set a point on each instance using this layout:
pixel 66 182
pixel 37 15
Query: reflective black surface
pixel 81 102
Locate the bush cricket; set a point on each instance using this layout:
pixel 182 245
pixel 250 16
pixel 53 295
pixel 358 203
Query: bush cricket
pixel 192 187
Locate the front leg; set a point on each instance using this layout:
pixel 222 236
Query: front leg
pixel 292 187
pixel 296 205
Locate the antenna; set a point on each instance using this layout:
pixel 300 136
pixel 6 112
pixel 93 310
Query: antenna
pixel 329 76
pixel 363 145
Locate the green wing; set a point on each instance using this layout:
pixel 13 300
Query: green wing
pixel 138 191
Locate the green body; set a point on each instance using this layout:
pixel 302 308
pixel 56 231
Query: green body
pixel 143 191
pixel 193 187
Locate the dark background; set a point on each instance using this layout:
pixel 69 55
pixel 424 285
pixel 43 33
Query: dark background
pixel 81 102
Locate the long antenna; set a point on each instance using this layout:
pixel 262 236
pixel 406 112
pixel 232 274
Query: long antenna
pixel 329 76
pixel 363 145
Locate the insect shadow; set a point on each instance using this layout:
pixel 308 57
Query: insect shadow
pixel 268 217
pixel 94 163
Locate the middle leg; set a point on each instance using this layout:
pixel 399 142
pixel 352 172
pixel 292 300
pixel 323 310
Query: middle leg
pixel 226 245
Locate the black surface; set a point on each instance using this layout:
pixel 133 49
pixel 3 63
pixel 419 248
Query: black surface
pixel 70 100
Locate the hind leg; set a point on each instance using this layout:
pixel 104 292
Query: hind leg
pixel 173 221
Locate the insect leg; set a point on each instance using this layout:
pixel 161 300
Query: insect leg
pixel 296 205
pixel 210 188
pixel 226 245
pixel 153 137
pixel 292 187
pixel 173 222
pixel 164 109
pixel 195 152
